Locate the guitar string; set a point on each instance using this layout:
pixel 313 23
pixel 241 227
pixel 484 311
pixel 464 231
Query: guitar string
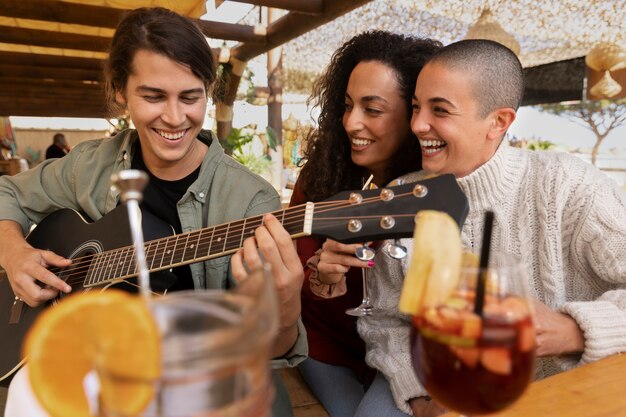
pixel 219 231
pixel 216 231
pixel 77 275
pixel 76 271
pixel 291 213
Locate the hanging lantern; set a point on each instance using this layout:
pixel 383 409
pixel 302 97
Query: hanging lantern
pixel 606 57
pixel 486 27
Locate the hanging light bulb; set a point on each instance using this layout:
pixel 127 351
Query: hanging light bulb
pixel 606 57
pixel 486 27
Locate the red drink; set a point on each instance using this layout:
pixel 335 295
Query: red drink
pixel 471 364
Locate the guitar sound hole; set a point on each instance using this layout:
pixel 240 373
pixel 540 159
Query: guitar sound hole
pixel 74 275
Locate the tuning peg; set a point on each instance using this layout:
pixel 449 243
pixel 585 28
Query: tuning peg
pixel 396 250
pixel 365 253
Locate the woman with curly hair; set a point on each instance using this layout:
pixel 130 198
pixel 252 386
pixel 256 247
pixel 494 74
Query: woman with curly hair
pixel 363 135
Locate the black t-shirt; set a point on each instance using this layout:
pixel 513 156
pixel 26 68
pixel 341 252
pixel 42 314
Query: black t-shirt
pixel 160 198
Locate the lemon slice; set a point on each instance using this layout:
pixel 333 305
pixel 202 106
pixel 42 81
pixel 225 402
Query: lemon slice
pixel 435 266
pixel 112 332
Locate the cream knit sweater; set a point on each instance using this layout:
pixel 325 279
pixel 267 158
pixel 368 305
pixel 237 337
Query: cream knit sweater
pixel 564 218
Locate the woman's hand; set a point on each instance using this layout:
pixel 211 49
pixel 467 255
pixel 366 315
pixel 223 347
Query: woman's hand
pixel 556 333
pixel 336 259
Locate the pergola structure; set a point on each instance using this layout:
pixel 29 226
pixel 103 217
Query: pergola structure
pixel 52 51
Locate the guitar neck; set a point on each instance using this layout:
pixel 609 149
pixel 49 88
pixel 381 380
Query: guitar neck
pixel 348 217
pixel 196 246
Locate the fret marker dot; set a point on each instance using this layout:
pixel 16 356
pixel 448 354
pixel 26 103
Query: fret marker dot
pixel 219 239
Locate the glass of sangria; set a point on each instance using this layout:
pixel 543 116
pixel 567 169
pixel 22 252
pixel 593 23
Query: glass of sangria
pixel 472 360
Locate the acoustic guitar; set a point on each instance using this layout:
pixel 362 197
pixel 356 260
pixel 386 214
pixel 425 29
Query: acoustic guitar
pixel 103 255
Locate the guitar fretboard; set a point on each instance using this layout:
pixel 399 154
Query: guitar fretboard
pixel 187 248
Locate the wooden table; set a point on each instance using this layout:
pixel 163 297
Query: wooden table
pixel 597 389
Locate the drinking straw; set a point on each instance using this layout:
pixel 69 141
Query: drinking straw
pixel 484 263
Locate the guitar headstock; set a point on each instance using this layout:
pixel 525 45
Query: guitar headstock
pixel 387 213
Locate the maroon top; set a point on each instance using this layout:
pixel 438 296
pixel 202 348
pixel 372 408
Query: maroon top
pixel 331 333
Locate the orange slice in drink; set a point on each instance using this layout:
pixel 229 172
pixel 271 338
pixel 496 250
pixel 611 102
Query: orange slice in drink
pixel 111 332
pixel 434 270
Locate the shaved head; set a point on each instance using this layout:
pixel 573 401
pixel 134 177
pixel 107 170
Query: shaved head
pixel 495 71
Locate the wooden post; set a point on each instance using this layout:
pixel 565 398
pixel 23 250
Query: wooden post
pixel 275 103
pixel 224 109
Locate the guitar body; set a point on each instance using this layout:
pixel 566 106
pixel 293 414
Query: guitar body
pixel 66 233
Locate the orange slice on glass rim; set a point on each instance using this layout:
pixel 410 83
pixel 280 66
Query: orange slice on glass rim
pixel 110 332
pixel 434 270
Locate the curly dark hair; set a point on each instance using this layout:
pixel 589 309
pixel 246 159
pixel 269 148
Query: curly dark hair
pixel 328 166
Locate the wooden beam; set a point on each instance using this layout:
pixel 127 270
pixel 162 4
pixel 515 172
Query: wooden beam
pixel 53 39
pixel 29 71
pixel 233 32
pixel 16 106
pixel 293 25
pixel 108 17
pixel 38 89
pixel 52 61
pixel 307 6
pixel 62 12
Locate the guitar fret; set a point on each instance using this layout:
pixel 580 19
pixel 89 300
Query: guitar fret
pixel 118 261
pixel 103 269
pixel 243 232
pixel 226 237
pixel 296 225
pixel 173 249
pixel 181 248
pixel 150 253
pixel 93 269
pixel 182 256
pixel 164 251
pixel 112 264
pixel 232 237
pixel 156 253
pixel 126 261
pixel 195 254
pixel 131 268
pixel 253 224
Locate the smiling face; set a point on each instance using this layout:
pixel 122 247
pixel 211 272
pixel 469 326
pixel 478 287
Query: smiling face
pixel 167 104
pixel 375 117
pixel 453 138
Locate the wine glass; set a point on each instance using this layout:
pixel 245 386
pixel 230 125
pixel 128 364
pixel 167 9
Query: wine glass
pixel 477 362
pixel 364 253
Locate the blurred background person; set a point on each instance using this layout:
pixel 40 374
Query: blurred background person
pixel 59 147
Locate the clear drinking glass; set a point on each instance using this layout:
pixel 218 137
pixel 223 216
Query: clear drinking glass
pixel 473 363
pixel 364 253
pixel 216 346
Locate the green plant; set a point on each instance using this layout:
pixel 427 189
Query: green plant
pixel 240 145
pixel 34 156
pixel 540 145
